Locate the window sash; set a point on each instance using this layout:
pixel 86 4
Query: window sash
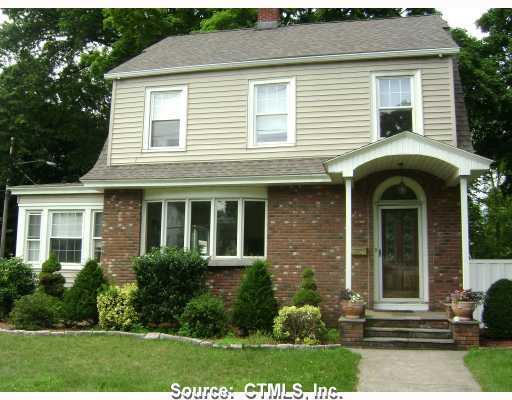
pixel 58 239
pixel 211 249
pixel 97 240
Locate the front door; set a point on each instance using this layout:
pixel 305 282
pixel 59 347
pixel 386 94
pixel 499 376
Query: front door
pixel 400 273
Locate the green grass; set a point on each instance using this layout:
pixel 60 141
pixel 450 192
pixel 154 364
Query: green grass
pixel 492 368
pixel 113 363
pixel 253 339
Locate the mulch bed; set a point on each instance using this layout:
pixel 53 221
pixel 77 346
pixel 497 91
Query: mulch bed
pixel 485 342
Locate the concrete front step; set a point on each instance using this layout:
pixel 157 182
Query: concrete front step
pixel 418 333
pixel 407 322
pixel 408 343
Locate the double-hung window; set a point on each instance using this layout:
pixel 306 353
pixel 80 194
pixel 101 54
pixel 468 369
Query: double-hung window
pixel 213 227
pixel 397 100
pixel 33 236
pixel 272 112
pixel 97 242
pixel 165 118
pixel 66 236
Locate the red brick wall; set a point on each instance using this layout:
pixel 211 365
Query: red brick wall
pixel 121 233
pixel 268 14
pixel 224 282
pixel 305 229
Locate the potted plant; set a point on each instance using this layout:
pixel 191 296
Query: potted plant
pixel 352 304
pixel 464 303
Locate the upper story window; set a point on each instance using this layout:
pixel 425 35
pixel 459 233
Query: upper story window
pixel 272 112
pixel 397 104
pixel 165 118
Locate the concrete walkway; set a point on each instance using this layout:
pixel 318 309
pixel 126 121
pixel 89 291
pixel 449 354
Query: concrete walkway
pixel 414 371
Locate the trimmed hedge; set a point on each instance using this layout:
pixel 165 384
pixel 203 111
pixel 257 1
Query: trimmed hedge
pixel 497 314
pixel 36 311
pixel 168 279
pixel 16 280
pixel 116 307
pixel 255 306
pixel 80 300
pixel 300 325
pixel 204 317
pixel 50 281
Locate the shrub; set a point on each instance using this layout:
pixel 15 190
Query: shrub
pixel 168 279
pixel 300 325
pixel 50 281
pixel 36 311
pixel 80 300
pixel 497 313
pixel 307 294
pixel 116 307
pixel 204 316
pixel 255 305
pixel 16 280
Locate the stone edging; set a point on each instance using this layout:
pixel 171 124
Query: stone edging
pixel 175 338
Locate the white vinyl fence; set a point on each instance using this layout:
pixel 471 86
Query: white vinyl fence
pixel 483 273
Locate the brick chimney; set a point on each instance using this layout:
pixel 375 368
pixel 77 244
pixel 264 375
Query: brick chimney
pixel 268 18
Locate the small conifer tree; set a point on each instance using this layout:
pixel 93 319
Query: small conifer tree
pixel 307 294
pixel 50 281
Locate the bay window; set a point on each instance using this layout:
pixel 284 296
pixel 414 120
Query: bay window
pixel 66 236
pixel 218 228
pixel 272 112
pixel 397 100
pixel 165 118
pixel 33 236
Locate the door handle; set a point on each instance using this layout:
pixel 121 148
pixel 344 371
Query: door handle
pixel 379 252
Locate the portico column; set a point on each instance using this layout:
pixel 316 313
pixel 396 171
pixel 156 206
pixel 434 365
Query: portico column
pixel 464 231
pixel 348 233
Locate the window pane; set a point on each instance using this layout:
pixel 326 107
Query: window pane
pixel 98 222
pixel 165 133
pixel 395 121
pixel 272 98
pixel 200 227
pixel 34 226
pixel 271 128
pixel 176 224
pixel 67 225
pixel 227 218
pixel 33 250
pixel 254 228
pixel 98 249
pixel 67 250
pixel 165 105
pixel 153 225
pixel 394 92
pixel 398 192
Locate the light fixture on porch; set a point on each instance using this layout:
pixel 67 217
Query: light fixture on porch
pixel 402 189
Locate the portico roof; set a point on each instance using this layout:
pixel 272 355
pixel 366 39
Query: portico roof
pixel 409 151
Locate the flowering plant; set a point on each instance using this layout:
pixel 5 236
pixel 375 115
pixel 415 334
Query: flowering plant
pixel 351 296
pixel 467 295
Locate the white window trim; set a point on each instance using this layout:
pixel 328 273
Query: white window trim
pixel 94 238
pixel 251 115
pixel 416 99
pixel 84 234
pixel 146 143
pixel 27 240
pixel 213 224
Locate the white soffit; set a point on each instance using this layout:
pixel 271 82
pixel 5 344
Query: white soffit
pixel 415 152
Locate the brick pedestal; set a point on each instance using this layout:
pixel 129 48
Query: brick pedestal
pixel 352 331
pixel 465 333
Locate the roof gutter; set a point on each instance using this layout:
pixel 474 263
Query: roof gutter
pixel 285 61
pixel 48 189
pixel 256 180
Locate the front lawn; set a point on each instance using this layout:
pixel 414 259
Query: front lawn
pixel 492 368
pixel 113 363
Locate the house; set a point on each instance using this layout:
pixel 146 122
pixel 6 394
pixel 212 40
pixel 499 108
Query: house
pixel 340 146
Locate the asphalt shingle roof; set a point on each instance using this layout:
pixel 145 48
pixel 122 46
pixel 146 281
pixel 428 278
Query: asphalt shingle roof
pixel 301 40
pixel 204 170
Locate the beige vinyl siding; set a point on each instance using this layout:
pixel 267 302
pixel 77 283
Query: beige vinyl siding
pixel 333 114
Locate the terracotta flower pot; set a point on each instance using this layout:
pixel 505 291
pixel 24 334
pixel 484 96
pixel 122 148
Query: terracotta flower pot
pixel 353 310
pixel 464 310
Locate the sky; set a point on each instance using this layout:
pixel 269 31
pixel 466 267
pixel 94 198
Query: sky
pixel 457 17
